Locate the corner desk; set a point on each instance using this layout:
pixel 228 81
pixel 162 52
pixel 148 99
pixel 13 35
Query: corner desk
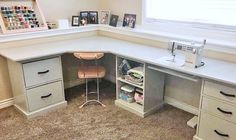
pixel 217 110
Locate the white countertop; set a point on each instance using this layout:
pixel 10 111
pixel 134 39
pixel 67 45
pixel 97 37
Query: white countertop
pixel 213 69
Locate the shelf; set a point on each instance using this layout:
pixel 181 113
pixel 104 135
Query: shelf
pixel 132 107
pixel 130 83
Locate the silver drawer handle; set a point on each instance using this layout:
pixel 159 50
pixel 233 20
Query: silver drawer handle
pixel 43 72
pixel 46 96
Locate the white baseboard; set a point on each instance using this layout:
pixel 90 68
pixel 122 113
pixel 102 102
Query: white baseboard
pixel 6 103
pixel 196 138
pixel 181 105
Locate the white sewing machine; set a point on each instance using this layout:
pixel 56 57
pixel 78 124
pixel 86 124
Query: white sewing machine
pixel 193 52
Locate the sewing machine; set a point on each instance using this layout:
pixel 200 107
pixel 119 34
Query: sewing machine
pixel 193 52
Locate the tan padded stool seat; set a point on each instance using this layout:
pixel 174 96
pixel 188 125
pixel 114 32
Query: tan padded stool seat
pixel 91 72
pixel 89 55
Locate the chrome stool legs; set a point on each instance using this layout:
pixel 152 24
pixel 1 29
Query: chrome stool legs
pixel 98 95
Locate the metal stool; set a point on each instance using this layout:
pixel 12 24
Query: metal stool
pixel 91 72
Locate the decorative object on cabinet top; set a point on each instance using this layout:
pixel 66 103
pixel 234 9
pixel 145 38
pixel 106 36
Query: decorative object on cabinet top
pixel 21 16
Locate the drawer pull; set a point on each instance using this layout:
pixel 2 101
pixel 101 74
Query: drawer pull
pixel 43 72
pixel 46 96
pixel 225 112
pixel 220 134
pixel 228 95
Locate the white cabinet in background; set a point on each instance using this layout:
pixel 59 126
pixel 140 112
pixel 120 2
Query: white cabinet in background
pixel 217 120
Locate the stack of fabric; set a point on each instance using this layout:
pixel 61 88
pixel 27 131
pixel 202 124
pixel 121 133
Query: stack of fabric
pixel 135 75
pixel 138 96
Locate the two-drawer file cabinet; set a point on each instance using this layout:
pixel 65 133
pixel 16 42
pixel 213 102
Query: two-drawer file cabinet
pixel 217 117
pixel 37 85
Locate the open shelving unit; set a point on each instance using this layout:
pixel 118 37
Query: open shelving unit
pixel 152 87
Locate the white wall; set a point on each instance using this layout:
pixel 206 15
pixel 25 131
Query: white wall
pixel 5 87
pixel 64 9
pixel 120 7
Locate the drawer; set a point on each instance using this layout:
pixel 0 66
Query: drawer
pixel 43 71
pixel 223 92
pixel 213 128
pixel 227 111
pixel 45 95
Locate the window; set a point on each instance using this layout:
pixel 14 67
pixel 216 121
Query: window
pixel 217 13
pixel 193 20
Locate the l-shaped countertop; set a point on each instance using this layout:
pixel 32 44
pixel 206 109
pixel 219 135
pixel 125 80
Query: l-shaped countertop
pixel 214 69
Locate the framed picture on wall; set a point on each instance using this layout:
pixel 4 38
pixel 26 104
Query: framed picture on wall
pixel 104 18
pixel 75 21
pixel 129 20
pixel 93 17
pixel 114 20
pixel 84 15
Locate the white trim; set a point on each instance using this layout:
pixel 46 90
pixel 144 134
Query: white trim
pixel 6 103
pixel 181 105
pixel 41 111
pixel 195 137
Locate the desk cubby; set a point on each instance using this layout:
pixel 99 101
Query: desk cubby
pixel 152 87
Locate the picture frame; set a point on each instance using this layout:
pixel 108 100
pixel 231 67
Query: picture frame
pixel 93 17
pixel 84 16
pixel 104 18
pixel 129 20
pixel 114 20
pixel 75 21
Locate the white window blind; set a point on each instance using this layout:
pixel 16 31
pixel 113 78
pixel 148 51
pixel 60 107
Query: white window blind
pixel 217 12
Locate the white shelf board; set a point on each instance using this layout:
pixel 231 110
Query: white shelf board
pixel 130 83
pixel 132 107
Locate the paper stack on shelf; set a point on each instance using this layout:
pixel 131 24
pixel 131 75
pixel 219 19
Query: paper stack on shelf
pixel 138 96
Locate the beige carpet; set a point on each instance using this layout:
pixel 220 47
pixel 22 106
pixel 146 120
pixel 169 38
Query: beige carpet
pixel 95 122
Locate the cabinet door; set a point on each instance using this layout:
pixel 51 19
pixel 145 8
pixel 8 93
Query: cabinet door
pixel 45 95
pixel 220 91
pixel 222 109
pixel 214 128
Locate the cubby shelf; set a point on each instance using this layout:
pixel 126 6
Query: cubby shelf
pixel 133 106
pixel 153 87
pixel 130 83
